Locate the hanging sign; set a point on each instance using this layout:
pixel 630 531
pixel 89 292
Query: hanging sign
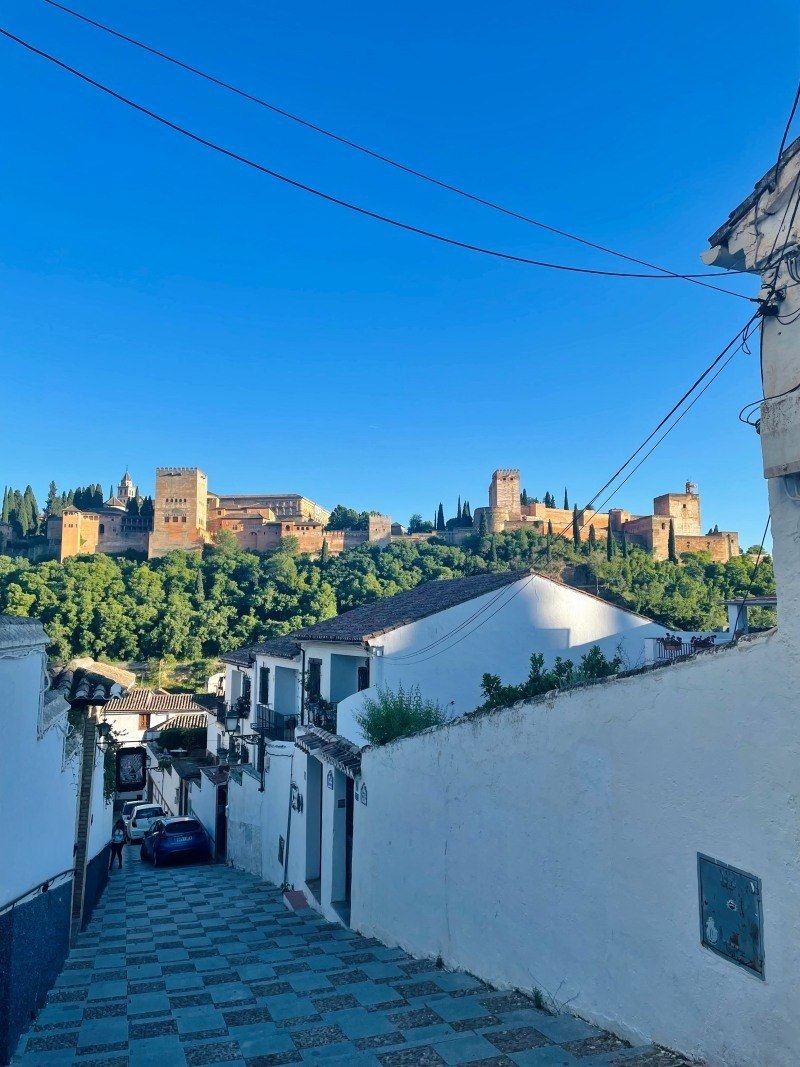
pixel 363 794
pixel 329 780
pixel 131 769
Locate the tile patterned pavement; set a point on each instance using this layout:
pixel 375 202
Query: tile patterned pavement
pixel 205 965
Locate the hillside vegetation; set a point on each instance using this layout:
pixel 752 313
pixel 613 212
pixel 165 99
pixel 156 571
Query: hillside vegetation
pixel 192 606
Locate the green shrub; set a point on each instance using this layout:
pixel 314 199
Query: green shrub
pixel 390 715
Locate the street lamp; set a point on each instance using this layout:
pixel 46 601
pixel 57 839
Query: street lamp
pixel 106 740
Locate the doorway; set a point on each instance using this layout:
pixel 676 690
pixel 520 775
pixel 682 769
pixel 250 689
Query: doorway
pixel 221 824
pixel 314 826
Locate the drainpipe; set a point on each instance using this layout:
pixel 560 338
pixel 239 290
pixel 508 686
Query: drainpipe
pixel 303 688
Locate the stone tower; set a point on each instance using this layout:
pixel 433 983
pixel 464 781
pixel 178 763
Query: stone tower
pixel 683 509
pixel 126 490
pixel 180 517
pixel 504 492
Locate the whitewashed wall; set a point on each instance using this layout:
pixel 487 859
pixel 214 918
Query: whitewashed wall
pixel 101 817
pixel 37 820
pixel 256 820
pixel 203 805
pixel 529 616
pixel 554 845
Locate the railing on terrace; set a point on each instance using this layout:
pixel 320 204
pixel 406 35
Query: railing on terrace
pixel 273 725
pixel 669 648
pixel 321 713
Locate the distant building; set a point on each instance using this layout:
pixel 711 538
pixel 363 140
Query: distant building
pixel 650 532
pixel 111 529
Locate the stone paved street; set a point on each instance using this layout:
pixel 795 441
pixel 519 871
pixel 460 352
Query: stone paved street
pixel 204 964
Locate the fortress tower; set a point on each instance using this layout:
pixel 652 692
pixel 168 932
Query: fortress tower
pixel 504 492
pixel 180 510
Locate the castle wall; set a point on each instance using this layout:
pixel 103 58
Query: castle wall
pixel 504 492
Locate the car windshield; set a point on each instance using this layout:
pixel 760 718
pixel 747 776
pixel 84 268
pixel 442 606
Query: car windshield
pixel 149 813
pixel 128 809
pixel 187 826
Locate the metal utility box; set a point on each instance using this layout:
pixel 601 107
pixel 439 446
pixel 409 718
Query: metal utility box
pixel 731 922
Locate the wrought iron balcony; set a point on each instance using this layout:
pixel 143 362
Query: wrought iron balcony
pixel 668 648
pixel 273 725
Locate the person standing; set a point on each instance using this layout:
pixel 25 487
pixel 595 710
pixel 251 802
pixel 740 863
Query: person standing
pixel 117 843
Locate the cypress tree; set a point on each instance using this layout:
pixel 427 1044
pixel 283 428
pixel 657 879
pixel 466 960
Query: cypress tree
pixel 610 546
pixel 671 553
pixel 524 498
pixel 493 551
pixel 199 588
pixel 592 538
pixel 624 545
pixel 466 514
pixel 324 555
pixel 576 527
pixel 5 516
pixel 440 523
pixel 458 510
pixel 548 550
pixel 110 491
pixel 32 509
pixel 483 526
pixel 566 500
pixel 550 528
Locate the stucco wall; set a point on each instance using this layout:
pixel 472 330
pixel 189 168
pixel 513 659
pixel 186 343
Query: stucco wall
pixel 554 846
pixel 529 616
pixel 256 819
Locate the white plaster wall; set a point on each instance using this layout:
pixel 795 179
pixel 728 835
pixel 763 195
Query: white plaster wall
pixel 101 818
pixel 37 816
pixel 554 845
pixel 532 615
pixel 203 805
pixel 256 820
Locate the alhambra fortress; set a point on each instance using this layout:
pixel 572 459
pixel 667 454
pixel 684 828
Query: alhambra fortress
pixel 187 516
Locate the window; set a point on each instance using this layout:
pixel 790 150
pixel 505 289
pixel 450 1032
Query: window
pixel 166 518
pixel 314 677
pixel 263 685
pixel 363 677
pixel 183 518
pixel 174 518
pixel 102 527
pixel 144 722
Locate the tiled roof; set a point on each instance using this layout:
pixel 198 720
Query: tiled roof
pixel 739 212
pixel 16 632
pixel 84 681
pixel 333 749
pixel 188 720
pixel 149 701
pixel 370 620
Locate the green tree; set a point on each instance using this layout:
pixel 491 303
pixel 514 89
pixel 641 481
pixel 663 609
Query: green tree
pixel 592 537
pixel 440 523
pixel 343 518
pixel 390 715
pixel 458 511
pixel 5 515
pixel 671 553
pixel 483 526
pixel 624 545
pixel 610 544
pixel 566 500
pixel 524 498
pixel 576 527
pixel 325 553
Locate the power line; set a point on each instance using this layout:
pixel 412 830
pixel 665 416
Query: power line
pixel 742 335
pixel 786 129
pixel 405 168
pixel 328 197
pixel 752 579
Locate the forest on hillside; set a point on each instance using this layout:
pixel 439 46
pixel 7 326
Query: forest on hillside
pixel 191 606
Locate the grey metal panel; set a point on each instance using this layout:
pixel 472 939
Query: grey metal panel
pixel 731 921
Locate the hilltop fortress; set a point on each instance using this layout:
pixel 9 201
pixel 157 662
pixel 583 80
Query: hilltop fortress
pixel 650 532
pixel 186 516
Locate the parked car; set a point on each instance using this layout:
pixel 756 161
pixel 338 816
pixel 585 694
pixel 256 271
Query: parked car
pixel 173 838
pixel 127 812
pixel 141 819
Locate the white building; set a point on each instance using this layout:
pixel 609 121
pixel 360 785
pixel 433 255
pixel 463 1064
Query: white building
pixel 40 768
pixel 440 637
pixel 631 848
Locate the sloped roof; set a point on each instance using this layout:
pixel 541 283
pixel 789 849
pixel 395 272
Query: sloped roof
pixel 370 620
pixel 16 632
pixel 739 212
pixel 149 701
pixel 343 754
pixel 187 720
pixel 86 681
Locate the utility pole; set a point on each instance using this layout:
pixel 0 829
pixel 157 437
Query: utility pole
pixel 762 236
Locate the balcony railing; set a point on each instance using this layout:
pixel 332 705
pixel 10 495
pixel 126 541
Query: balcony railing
pixel 668 648
pixel 273 725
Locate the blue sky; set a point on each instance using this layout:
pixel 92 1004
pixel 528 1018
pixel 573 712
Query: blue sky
pixel 163 305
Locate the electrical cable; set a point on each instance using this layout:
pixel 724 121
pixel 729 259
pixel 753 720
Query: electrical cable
pixel 413 656
pixel 786 129
pixel 405 168
pixel 752 579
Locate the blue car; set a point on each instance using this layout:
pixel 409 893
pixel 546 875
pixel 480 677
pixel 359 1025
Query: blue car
pixel 174 838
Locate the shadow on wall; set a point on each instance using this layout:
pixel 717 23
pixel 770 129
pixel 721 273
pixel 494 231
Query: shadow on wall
pixel 34 942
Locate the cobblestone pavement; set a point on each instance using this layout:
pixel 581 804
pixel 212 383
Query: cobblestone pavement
pixel 204 964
